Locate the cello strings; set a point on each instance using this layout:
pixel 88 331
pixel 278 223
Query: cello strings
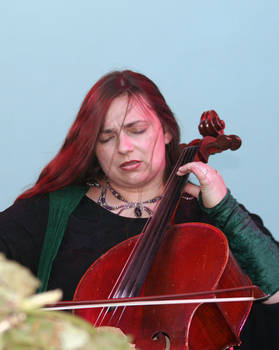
pixel 133 284
pixel 151 243
pixel 148 241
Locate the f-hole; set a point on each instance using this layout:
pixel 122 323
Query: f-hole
pixel 160 334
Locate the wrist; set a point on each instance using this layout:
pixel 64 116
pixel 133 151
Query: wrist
pixel 210 203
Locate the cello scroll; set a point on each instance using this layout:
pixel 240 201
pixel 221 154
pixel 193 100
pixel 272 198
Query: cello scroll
pixel 211 127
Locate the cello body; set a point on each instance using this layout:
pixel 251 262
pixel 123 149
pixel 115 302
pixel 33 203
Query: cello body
pixel 192 257
pixel 173 259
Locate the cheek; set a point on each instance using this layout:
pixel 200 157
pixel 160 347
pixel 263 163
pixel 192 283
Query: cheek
pixel 156 146
pixel 161 146
pixel 98 153
pixel 103 155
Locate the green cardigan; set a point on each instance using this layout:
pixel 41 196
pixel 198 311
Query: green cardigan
pixel 61 205
pixel 256 252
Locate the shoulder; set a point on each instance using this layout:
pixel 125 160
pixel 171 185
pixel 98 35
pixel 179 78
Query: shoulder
pixel 65 200
pixel 37 207
pixel 22 229
pixel 25 208
pixel 29 215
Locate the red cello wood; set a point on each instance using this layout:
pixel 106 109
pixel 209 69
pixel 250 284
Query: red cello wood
pixel 185 258
pixel 193 257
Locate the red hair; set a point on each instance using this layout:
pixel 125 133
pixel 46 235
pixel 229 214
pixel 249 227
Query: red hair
pixel 76 162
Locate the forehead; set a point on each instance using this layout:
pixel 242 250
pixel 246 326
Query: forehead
pixel 129 109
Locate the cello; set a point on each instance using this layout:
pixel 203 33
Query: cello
pixel 169 259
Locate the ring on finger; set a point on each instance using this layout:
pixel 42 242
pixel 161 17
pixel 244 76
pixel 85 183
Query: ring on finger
pixel 204 171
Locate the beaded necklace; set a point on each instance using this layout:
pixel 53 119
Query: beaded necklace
pixel 139 207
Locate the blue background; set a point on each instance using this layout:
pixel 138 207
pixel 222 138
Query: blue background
pixel 220 55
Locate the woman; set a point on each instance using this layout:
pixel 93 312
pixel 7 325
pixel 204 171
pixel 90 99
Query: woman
pixel 106 180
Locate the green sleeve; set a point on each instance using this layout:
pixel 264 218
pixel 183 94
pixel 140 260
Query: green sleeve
pixel 256 252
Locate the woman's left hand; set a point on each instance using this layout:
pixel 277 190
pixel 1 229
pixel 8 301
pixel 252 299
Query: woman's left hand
pixel 212 185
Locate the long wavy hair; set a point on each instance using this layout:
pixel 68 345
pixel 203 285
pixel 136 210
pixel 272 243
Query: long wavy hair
pixel 76 161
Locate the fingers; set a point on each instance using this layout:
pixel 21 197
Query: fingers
pixel 211 182
pixel 201 170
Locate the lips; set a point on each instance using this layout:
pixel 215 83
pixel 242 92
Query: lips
pixel 130 165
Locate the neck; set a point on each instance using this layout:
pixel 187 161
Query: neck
pixel 139 193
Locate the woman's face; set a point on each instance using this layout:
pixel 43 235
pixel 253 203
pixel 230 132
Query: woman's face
pixel 131 145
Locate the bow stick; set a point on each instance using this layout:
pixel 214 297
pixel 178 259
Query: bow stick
pixel 171 299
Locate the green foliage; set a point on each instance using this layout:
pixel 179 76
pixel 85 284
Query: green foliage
pixel 24 325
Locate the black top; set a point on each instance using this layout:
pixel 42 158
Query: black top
pixel 91 231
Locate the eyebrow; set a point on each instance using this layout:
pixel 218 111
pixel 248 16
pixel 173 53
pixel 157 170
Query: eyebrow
pixel 125 126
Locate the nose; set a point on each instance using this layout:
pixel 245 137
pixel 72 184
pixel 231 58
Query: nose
pixel 125 144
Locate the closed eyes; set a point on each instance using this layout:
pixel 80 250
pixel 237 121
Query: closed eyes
pixel 136 128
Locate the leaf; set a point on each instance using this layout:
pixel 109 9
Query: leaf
pixel 22 283
pixel 24 326
pixel 62 331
